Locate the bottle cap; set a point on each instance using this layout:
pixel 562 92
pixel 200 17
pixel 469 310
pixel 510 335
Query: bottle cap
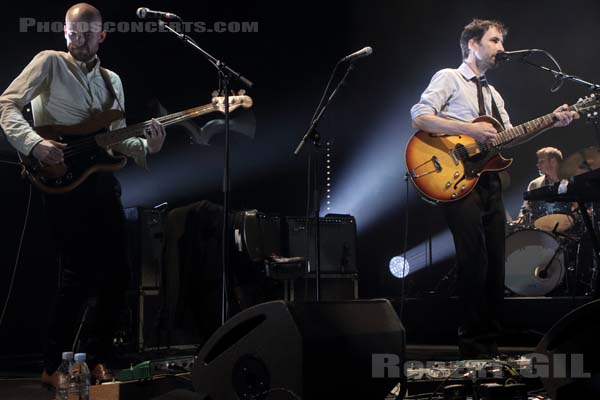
pixel 79 357
pixel 67 355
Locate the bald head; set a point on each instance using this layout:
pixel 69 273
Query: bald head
pixel 83 12
pixel 83 31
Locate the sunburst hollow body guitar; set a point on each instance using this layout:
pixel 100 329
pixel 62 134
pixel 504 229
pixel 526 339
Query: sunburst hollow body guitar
pixel 446 168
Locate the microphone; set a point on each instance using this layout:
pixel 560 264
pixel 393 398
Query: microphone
pixel 511 55
pixel 367 51
pixel 144 13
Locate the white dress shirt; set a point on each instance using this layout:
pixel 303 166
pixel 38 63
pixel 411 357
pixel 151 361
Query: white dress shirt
pixel 62 92
pixel 452 94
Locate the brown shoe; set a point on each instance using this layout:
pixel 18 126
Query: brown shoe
pixel 100 373
pixel 51 381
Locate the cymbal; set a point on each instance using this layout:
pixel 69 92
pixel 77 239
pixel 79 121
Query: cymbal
pixel 584 160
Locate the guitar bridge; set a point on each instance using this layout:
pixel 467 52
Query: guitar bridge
pixel 437 167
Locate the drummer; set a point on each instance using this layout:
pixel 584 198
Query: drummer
pixel 548 165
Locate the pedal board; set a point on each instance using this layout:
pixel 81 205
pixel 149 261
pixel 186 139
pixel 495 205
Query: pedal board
pixel 148 369
pixel 478 379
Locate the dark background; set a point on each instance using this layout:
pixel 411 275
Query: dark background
pixel 290 59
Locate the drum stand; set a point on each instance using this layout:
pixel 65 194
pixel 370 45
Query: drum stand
pixel 589 226
pixel 571 261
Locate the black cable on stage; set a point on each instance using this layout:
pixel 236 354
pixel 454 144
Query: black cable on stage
pixel 404 250
pixel 18 256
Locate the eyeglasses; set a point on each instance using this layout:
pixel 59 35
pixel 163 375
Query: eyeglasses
pixel 74 35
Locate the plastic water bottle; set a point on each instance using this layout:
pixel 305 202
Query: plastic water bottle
pixel 79 379
pixel 64 369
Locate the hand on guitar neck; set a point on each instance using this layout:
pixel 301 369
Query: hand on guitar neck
pixel 49 152
pixel 564 116
pixel 155 136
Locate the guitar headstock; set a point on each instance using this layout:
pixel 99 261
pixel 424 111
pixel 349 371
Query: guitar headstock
pixel 235 101
pixel 588 106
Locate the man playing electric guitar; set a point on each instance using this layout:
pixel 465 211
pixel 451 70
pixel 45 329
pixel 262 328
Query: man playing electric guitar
pixel 88 223
pixel 453 97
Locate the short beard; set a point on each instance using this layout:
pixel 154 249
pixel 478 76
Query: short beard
pixel 485 65
pixel 73 54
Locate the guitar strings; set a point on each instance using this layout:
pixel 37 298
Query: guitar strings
pixel 79 146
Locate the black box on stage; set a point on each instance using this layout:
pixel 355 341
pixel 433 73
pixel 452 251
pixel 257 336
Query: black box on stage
pixel 258 234
pixel 145 228
pixel 145 236
pixel 333 287
pixel 338 242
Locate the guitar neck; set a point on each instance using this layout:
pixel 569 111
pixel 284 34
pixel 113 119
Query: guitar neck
pixel 528 128
pixel 112 137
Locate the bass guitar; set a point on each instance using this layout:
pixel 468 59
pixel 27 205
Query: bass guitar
pixel 88 142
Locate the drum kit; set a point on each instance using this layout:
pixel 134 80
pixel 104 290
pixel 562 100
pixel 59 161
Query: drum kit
pixel 548 250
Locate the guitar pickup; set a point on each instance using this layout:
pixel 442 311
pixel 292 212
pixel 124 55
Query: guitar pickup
pixel 453 155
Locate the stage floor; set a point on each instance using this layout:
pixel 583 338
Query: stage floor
pixel 22 382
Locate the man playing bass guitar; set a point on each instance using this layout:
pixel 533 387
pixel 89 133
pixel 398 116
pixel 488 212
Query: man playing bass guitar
pixel 88 223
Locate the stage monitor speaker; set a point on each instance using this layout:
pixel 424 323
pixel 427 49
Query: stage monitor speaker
pixel 280 350
pixel 572 368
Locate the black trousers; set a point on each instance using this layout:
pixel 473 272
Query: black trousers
pixel 477 224
pixel 88 225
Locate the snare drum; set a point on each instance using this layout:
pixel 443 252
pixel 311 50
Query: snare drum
pixel 535 262
pixel 550 216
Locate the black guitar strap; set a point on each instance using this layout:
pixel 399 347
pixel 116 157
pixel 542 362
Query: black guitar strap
pixel 110 88
pixel 495 111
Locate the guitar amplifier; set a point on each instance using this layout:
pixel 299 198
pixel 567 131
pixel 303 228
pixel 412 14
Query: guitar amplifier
pixel 145 236
pixel 257 234
pixel 145 229
pixel 338 242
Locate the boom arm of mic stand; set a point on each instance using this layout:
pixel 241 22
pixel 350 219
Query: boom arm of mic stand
pixel 313 125
pixel 218 64
pixel 561 76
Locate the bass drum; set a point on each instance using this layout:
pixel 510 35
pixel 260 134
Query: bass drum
pixel 534 262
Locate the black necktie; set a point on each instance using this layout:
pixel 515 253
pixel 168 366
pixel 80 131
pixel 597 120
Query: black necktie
pixel 479 95
pixel 482 82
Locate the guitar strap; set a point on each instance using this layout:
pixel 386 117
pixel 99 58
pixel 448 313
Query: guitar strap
pixel 495 111
pixel 110 88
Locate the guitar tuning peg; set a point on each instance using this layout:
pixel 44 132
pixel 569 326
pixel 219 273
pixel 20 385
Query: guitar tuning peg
pixel 241 92
pixel 215 93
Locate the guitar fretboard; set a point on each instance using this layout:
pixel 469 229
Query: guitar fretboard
pixel 113 137
pixel 530 127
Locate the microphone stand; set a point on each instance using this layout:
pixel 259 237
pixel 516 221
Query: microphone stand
pixel 225 75
pixel 313 135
